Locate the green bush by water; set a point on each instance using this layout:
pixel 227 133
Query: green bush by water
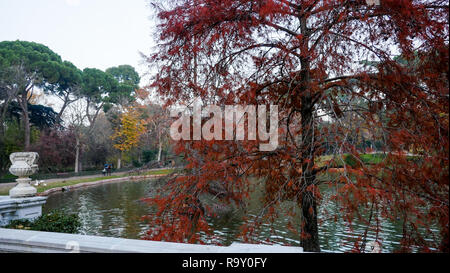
pixel 55 221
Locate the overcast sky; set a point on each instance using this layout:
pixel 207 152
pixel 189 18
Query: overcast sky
pixel 89 33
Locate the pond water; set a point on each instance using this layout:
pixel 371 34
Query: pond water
pixel 115 210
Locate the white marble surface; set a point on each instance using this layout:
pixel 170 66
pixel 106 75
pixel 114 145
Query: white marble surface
pixel 46 242
pixel 20 208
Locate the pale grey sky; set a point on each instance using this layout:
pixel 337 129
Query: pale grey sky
pixel 89 33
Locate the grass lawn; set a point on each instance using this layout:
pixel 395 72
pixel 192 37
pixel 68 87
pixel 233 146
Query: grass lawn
pixel 369 159
pixel 65 183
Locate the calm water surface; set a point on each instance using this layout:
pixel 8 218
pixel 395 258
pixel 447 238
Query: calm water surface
pixel 115 210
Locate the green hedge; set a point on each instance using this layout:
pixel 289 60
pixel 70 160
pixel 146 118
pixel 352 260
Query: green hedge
pixel 55 221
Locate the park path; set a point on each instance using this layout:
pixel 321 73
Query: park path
pixel 8 186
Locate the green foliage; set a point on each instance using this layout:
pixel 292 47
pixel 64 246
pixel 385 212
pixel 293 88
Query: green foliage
pixel 351 160
pixel 69 80
pixel 27 65
pixel 33 57
pixel 149 155
pixel 55 221
pixel 97 85
pixel 367 159
pixel 125 74
pixel 123 94
pixel 24 66
pixel 11 142
pixel 372 158
pixel 41 116
pixel 128 81
pixel 136 163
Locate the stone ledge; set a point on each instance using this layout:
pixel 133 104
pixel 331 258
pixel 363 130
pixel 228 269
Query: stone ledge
pixel 20 208
pixel 90 184
pixel 6 201
pixel 12 240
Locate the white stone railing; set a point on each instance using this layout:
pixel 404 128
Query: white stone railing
pixel 25 241
pixel 20 208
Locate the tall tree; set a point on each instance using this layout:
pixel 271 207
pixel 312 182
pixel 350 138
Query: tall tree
pixel 128 80
pixel 127 135
pixel 125 74
pixel 68 86
pixel 124 98
pixel 303 55
pixel 9 77
pixel 35 65
pixel 76 121
pixel 97 89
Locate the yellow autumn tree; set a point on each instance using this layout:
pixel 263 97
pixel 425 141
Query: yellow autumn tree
pixel 127 134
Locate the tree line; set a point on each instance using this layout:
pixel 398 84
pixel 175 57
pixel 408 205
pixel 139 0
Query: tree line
pixel 96 121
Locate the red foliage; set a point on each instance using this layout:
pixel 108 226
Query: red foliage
pixel 386 65
pixel 56 150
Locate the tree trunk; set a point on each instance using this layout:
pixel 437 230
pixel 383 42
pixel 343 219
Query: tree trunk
pixel 159 152
pixel 26 125
pixel 59 117
pixel 2 125
pixel 119 161
pixel 310 231
pixel 25 119
pixel 3 115
pixel 160 147
pixel 77 155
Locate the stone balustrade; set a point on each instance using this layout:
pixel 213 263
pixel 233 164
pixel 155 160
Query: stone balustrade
pixel 26 241
pixel 20 208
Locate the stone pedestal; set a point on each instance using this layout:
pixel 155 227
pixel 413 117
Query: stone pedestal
pixel 23 189
pixel 20 208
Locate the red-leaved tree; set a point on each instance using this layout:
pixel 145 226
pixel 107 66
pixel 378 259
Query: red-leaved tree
pixel 339 71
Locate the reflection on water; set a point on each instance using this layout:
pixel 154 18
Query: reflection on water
pixel 112 210
pixel 115 210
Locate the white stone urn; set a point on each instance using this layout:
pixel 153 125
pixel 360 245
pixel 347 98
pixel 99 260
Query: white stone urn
pixel 23 165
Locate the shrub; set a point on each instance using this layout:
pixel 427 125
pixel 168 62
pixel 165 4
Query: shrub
pixel 136 163
pixel 149 155
pixel 55 221
pixel 352 161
